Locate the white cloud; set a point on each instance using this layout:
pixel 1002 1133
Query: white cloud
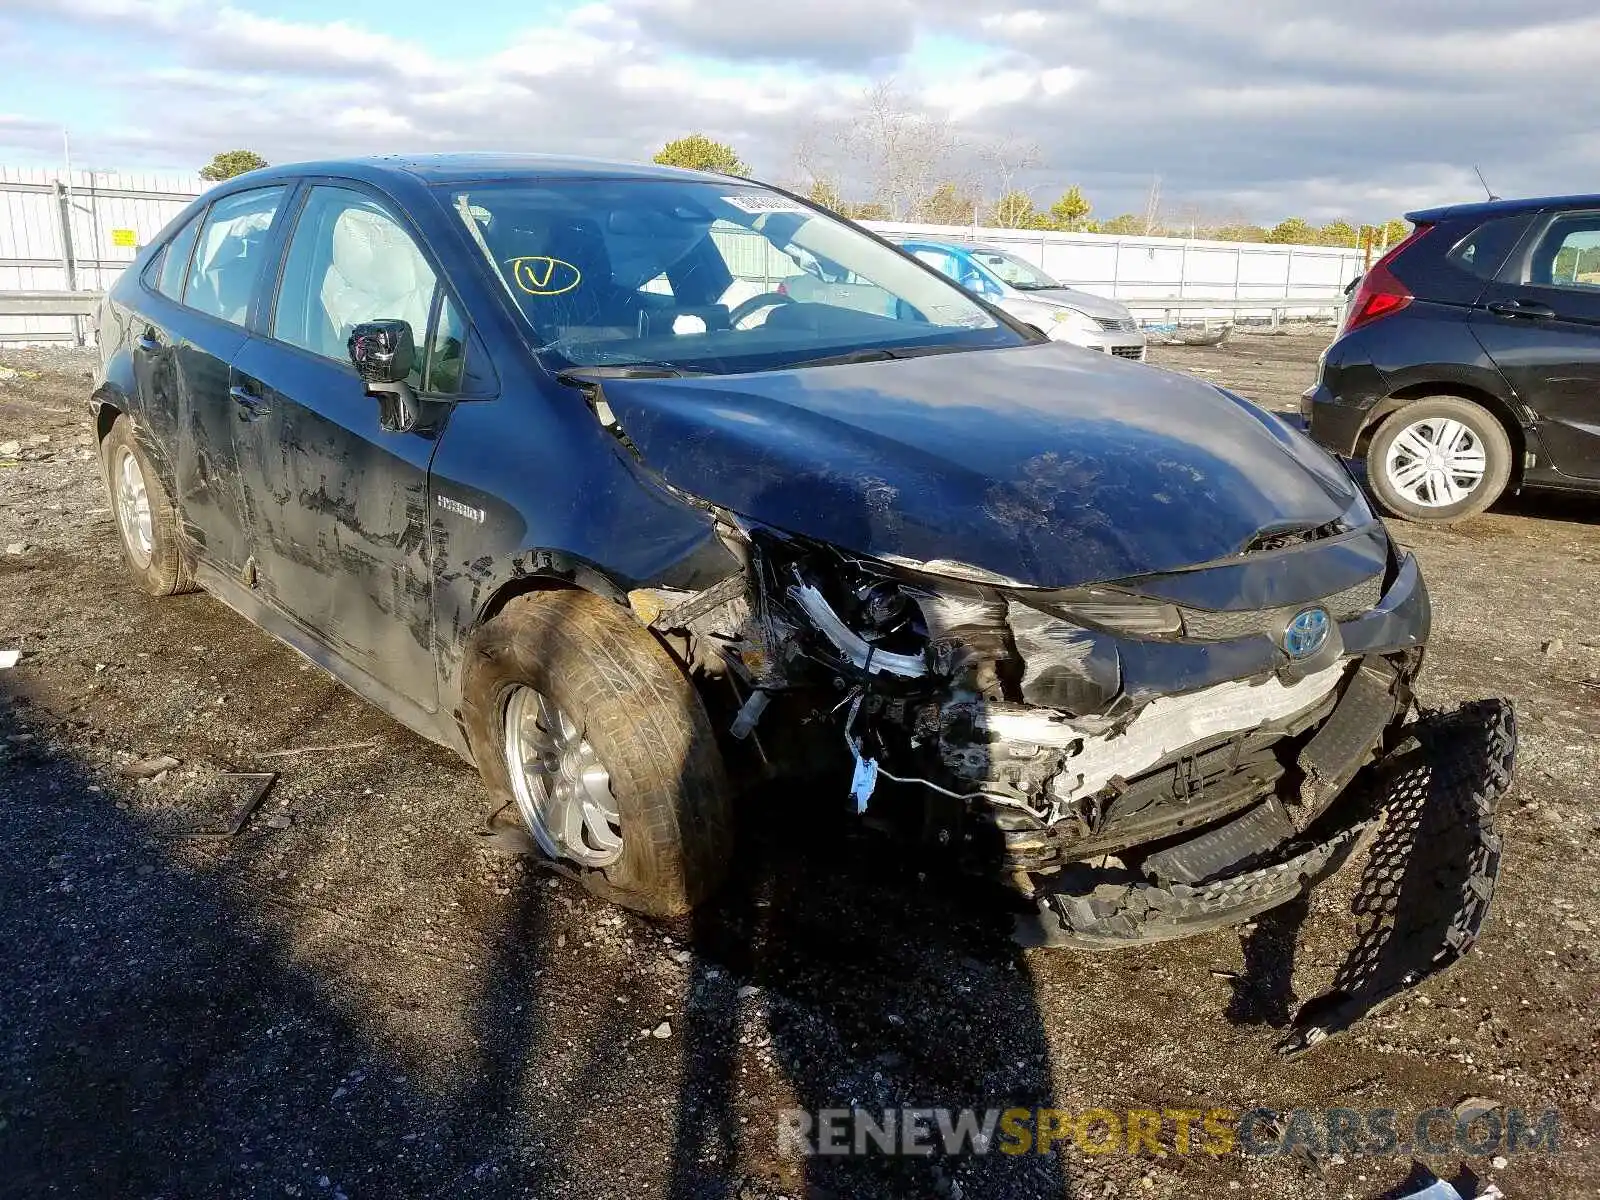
pixel 1251 107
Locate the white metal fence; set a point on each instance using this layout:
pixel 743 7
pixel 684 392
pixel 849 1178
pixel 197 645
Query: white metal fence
pixel 61 234
pixel 1143 271
pixel 66 233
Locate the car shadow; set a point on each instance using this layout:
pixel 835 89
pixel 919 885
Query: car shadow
pixel 160 1036
pixel 1575 507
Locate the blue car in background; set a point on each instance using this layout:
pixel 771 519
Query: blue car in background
pixel 1062 313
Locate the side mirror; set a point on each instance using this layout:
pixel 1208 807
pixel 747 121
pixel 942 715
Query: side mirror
pixel 382 351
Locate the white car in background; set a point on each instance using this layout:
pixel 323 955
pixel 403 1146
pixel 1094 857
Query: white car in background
pixel 1064 314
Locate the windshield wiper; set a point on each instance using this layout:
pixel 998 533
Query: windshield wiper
pixel 580 376
pixel 871 354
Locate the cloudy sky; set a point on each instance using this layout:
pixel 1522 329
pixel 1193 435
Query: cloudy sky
pixel 1254 108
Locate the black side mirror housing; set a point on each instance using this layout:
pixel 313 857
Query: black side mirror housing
pixel 382 351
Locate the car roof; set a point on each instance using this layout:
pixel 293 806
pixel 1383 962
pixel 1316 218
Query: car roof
pixel 1497 208
pixel 463 168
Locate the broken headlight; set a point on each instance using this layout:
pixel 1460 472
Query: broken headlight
pixel 1109 610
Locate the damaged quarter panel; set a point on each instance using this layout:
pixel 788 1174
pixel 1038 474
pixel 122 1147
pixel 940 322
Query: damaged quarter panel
pixel 1039 463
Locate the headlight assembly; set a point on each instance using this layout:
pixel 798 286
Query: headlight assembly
pixel 1071 320
pixel 1110 610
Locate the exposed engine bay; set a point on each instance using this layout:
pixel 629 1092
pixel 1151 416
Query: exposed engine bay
pixel 1034 729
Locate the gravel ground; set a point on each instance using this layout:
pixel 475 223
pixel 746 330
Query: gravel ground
pixel 354 997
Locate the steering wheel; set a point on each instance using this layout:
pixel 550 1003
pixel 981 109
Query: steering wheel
pixel 746 309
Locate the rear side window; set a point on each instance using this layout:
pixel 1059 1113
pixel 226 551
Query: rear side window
pixel 1568 255
pixel 175 260
pixel 1483 251
pixel 228 259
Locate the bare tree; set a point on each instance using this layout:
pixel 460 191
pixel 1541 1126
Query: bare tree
pixel 902 150
pixel 887 151
pixel 1005 158
pixel 818 165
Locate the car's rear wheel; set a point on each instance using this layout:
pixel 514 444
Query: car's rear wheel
pixel 145 517
pixel 579 719
pixel 1438 460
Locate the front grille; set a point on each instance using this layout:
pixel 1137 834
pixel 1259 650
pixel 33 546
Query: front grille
pixel 1206 626
pixel 1117 324
pixel 1133 352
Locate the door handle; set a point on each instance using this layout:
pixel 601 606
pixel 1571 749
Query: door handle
pixel 253 406
pixel 1522 308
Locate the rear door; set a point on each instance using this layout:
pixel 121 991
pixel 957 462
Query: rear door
pixel 153 335
pixel 192 326
pixel 1540 322
pixel 340 506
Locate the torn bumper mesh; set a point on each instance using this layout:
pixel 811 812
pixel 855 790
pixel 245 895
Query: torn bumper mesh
pixel 1428 816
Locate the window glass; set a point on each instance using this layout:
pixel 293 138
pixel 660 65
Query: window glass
pixel 939 261
pixel 756 281
pixel 350 261
pixel 228 259
pixel 447 350
pixel 1018 272
pixel 1484 250
pixel 1569 256
pixel 175 260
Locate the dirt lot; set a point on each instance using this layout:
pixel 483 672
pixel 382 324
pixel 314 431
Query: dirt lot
pixel 355 997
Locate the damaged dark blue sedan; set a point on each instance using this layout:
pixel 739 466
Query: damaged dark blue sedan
pixel 624 481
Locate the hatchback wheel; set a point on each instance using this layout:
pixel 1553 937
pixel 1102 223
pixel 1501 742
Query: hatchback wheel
pixel 578 718
pixel 1439 459
pixel 146 520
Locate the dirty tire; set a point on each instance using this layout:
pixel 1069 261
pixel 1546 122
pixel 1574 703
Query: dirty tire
pixel 643 718
pixel 170 569
pixel 1488 431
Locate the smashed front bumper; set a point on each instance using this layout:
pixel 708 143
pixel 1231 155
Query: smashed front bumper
pixel 1426 817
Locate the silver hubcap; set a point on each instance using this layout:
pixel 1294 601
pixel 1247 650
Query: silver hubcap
pixel 1436 462
pixel 562 788
pixel 133 507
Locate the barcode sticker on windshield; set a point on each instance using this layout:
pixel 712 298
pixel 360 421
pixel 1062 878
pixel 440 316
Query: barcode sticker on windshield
pixel 757 202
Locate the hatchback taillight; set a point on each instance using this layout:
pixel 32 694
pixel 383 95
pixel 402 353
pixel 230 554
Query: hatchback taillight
pixel 1380 294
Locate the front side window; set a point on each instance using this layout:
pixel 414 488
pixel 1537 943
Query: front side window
pixel 447 350
pixel 710 277
pixel 351 261
pixel 228 260
pixel 1568 256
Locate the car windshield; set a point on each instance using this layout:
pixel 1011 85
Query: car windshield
pixel 1019 273
pixel 715 277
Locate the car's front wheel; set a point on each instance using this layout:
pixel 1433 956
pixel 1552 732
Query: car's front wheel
pixel 1439 459
pixel 578 718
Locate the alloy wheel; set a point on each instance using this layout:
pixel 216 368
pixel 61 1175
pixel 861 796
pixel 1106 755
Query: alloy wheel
pixel 562 788
pixel 133 507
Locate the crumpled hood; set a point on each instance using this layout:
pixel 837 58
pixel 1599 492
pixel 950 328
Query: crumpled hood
pixel 1047 464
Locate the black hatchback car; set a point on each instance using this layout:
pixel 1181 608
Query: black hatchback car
pixel 549 459
pixel 1469 360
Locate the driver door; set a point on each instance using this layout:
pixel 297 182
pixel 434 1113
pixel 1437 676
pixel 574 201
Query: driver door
pixel 339 505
